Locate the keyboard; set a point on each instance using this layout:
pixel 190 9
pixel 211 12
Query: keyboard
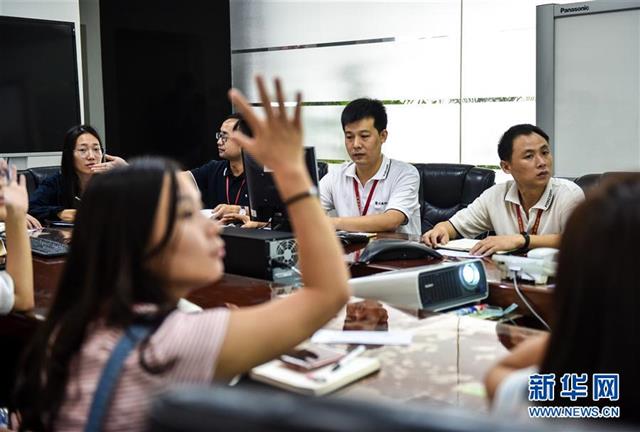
pixel 48 248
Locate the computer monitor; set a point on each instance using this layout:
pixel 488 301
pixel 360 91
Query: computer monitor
pixel 264 200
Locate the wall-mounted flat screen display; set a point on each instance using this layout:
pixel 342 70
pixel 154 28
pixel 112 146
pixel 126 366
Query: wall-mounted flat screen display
pixel 39 96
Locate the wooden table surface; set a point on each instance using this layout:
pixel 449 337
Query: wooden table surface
pixel 446 362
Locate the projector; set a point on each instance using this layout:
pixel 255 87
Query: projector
pixel 432 287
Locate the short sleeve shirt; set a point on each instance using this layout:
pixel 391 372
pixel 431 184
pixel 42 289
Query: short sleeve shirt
pixel 397 189
pixel 510 400
pixel 192 340
pixel 218 185
pixel 7 294
pixel 498 207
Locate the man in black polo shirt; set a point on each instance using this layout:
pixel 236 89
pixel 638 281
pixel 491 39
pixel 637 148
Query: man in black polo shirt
pixel 222 182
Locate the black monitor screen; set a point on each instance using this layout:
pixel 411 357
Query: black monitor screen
pixel 264 200
pixel 39 97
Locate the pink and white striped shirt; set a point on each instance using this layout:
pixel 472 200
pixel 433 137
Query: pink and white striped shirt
pixel 193 340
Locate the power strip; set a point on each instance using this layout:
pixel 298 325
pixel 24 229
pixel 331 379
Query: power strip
pixel 535 269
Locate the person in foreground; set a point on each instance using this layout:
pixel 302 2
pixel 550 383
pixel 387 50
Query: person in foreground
pixel 595 308
pixel 59 195
pixel 16 282
pixel 527 212
pixel 372 192
pixel 123 270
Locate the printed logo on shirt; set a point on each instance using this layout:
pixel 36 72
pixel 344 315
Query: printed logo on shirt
pixel 380 203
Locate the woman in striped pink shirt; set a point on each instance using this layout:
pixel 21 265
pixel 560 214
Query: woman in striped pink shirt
pixel 140 243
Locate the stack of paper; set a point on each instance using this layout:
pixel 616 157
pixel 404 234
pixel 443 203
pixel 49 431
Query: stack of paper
pixel 318 382
pixel 462 245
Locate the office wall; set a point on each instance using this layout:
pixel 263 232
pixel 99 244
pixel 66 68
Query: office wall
pixel 92 66
pixel 166 72
pixel 58 10
pixel 454 74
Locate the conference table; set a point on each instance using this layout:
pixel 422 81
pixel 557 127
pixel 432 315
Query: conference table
pixel 445 363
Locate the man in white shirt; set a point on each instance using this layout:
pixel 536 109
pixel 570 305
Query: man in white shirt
pixel 527 212
pixel 372 193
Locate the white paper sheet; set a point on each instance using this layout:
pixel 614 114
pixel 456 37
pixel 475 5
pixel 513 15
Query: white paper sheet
pixel 396 337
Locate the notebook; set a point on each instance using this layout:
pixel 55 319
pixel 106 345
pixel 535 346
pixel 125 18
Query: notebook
pixel 277 374
pixel 463 245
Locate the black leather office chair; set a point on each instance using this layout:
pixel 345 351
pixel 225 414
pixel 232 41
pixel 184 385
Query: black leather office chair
pixel 589 181
pixel 323 169
pixel 34 176
pixel 447 188
pixel 250 409
pixel 253 410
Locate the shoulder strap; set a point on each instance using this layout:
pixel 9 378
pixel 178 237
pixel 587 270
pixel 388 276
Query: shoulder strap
pixel 110 374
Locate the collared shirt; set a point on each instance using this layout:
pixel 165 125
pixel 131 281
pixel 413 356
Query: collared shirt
pixel 211 179
pixel 497 210
pixel 397 189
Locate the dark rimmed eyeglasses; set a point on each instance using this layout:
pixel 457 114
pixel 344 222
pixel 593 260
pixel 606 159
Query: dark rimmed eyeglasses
pixel 222 136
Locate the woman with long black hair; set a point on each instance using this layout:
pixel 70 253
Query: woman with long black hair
pixel 59 195
pixel 125 274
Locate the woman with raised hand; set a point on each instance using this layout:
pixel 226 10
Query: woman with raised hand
pixel 16 273
pixel 124 276
pixel 59 195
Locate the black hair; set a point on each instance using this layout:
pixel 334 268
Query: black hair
pixel 596 299
pixel 242 125
pixel 106 274
pixel 70 181
pixel 505 146
pixel 236 116
pixel 362 108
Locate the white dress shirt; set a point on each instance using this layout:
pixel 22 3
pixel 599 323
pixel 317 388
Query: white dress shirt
pixel 397 189
pixel 498 207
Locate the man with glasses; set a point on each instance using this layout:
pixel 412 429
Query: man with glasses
pixel 222 182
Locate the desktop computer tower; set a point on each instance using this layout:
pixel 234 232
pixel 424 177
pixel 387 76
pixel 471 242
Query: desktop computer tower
pixel 262 254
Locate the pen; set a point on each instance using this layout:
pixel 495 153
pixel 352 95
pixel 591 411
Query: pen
pixel 349 357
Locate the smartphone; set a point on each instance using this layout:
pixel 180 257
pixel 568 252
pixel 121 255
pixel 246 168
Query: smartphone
pixel 307 359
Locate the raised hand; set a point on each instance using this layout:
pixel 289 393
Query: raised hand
pixel 15 194
pixel 277 141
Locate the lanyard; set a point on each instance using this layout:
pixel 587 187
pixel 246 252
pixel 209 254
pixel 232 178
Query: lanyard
pixel 357 192
pixel 239 191
pixel 534 230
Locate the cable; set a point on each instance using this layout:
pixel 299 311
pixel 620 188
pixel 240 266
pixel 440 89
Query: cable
pixel 514 277
pixel 280 264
